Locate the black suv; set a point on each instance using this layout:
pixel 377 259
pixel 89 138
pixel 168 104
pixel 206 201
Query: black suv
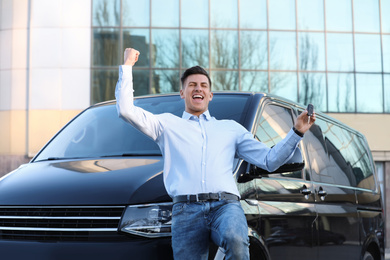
pixel 95 191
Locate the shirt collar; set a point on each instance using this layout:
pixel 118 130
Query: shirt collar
pixel 205 115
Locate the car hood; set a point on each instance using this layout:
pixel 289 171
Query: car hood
pixel 85 182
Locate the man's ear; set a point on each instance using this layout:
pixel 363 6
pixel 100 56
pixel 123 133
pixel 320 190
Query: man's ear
pixel 211 96
pixel 181 93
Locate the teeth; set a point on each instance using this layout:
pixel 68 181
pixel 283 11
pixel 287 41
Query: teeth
pixel 197 96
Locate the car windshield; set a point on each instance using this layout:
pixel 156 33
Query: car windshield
pixel 99 132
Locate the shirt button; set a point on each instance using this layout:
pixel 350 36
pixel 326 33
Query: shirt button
pixel 204 163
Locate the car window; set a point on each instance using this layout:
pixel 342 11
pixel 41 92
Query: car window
pixel 275 122
pixel 98 131
pixel 338 156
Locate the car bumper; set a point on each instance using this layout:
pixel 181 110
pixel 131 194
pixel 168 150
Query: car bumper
pixel 138 249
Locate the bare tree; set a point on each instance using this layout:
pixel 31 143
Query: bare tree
pixel 311 88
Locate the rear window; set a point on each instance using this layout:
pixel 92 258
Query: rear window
pixel 339 156
pixel 99 132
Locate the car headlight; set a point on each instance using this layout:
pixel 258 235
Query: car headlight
pixel 149 220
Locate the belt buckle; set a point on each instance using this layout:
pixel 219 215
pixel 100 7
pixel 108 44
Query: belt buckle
pixel 214 196
pixel 219 196
pixel 197 197
pixel 188 198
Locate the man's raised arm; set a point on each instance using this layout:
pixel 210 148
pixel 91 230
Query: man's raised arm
pixel 143 120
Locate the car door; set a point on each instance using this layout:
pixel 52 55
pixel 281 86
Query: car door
pixel 334 183
pixel 286 200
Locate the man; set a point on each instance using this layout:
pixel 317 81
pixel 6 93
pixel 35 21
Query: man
pixel 198 153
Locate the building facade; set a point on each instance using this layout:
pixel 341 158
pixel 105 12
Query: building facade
pixel 58 57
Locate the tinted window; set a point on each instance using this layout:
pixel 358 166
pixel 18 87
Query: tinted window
pixel 275 122
pixel 99 131
pixel 338 156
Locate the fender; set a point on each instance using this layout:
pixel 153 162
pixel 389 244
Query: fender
pixel 372 245
pixel 257 246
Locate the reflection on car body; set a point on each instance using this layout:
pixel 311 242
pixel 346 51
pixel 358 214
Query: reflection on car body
pixel 96 189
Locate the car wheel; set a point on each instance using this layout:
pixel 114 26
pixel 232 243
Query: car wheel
pixel 368 256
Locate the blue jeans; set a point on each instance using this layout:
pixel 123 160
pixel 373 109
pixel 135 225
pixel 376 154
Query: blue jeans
pixel 194 224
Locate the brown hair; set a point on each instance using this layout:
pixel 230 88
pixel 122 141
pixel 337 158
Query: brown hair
pixel 192 71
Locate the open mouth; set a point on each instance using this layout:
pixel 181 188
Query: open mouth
pixel 197 97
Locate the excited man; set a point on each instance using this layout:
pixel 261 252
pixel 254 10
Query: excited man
pixel 198 153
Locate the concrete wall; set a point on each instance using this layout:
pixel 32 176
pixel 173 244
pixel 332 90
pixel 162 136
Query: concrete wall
pixel 45 49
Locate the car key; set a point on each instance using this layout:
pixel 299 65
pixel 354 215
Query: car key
pixel 309 109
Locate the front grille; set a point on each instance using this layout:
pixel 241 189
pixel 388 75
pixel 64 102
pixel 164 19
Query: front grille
pixel 60 223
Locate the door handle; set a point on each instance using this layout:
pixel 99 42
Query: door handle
pixel 322 194
pixel 305 191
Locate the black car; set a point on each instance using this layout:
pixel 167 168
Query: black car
pixel 95 191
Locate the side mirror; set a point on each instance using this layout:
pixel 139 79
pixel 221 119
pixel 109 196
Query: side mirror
pixel 288 167
pixel 256 172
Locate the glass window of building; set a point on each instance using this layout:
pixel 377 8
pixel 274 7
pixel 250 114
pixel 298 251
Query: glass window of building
pixel 195 13
pixel 253 14
pixel 103 82
pixel 340 52
pixel 385 7
pixel 139 40
pixel 165 53
pixel 165 13
pixel 165 81
pixel 328 52
pixel 369 96
pixel 386 53
pixel 106 12
pixel 254 81
pixel 312 89
pixel 253 50
pixel 368 53
pixel 311 51
pixel 282 14
pixel 141 82
pixel 366 16
pixel 386 80
pixel 338 15
pixel 224 49
pixel 223 13
pixel 284 84
pixel 105 47
pixel 225 80
pixel 136 13
pixel 283 51
pixel 310 14
pixel 341 92
pixel 195 48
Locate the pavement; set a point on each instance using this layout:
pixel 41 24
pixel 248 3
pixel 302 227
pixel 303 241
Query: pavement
pixel 387 254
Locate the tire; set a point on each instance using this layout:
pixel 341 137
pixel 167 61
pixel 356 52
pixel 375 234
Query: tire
pixel 368 256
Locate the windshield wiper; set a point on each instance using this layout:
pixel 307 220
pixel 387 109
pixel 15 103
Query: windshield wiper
pixel 59 158
pixel 133 154
pixel 102 156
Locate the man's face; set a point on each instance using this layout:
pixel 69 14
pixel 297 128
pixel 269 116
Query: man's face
pixel 196 94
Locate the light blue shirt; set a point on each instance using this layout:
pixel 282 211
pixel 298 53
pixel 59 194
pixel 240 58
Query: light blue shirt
pixel 199 152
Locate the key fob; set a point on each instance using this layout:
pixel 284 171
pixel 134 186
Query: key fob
pixel 310 109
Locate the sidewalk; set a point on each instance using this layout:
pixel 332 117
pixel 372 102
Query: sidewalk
pixel 387 254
